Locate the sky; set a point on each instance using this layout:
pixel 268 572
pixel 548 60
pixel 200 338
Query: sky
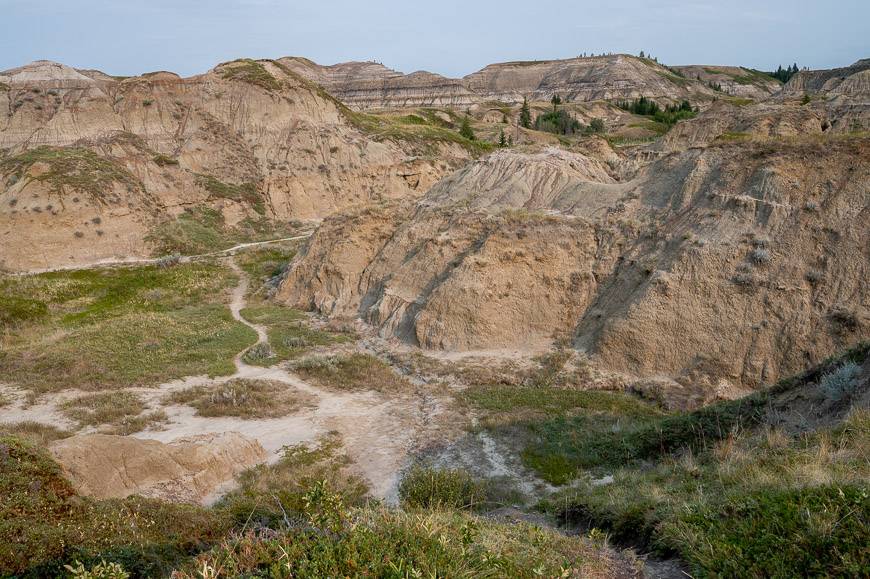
pixel 450 37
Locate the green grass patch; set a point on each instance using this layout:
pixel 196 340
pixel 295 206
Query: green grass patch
pixel 760 501
pixel 430 488
pixel 251 72
pixel 74 169
pixel 549 400
pixel 264 264
pixel 733 136
pixel 289 333
pixel 122 327
pixel 203 230
pixel 385 543
pixel 810 532
pixel 241 193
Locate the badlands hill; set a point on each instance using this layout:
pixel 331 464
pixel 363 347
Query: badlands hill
pixel 730 252
pixel 91 165
pixel 367 85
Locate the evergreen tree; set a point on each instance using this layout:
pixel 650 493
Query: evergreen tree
pixel 556 100
pixel 525 115
pixel 502 142
pixel 465 129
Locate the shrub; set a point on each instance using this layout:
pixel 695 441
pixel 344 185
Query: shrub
pixel 259 352
pixel 163 160
pixel 101 570
pixel 168 260
pixel 840 383
pixel 430 488
pixel 760 256
pixel 596 126
pixel 465 129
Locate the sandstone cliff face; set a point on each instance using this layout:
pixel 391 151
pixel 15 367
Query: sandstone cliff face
pixel 367 85
pixel 277 146
pixel 583 79
pixel 734 80
pixel 737 263
pixel 850 80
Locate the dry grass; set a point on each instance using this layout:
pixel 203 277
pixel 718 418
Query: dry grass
pixel 243 398
pixel 103 408
pixel 36 432
pixel 354 372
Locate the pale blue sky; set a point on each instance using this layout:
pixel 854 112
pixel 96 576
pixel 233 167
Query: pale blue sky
pixel 451 37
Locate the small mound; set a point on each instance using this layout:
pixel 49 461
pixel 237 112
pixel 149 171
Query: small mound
pixel 185 470
pixel 242 398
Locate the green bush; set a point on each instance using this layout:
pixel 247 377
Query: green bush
pixel 811 532
pixel 429 488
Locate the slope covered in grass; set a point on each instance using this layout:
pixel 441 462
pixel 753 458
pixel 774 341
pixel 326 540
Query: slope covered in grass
pixel 110 328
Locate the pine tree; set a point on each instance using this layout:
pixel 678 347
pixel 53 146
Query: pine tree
pixel 556 100
pixel 465 129
pixel 525 115
pixel 502 142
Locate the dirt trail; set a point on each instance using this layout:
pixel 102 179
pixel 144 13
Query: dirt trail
pixel 379 432
pixel 153 260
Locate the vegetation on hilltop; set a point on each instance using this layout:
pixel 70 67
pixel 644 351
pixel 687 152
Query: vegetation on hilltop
pixel 72 169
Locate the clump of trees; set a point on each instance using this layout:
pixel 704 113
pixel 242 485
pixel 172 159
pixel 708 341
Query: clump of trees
pixel 559 122
pixel 668 115
pixel 784 74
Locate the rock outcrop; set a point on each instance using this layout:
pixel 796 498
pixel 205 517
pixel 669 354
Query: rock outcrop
pixel 733 80
pixel 185 470
pixel 618 76
pixel 851 80
pixel 367 85
pixel 737 262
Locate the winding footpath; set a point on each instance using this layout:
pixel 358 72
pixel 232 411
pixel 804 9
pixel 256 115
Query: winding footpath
pixel 379 432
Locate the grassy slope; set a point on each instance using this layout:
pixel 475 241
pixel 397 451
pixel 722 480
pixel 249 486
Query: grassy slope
pixel 301 517
pixel 729 494
pixel 103 329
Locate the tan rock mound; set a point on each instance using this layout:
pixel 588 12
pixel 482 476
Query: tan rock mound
pixel 188 469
